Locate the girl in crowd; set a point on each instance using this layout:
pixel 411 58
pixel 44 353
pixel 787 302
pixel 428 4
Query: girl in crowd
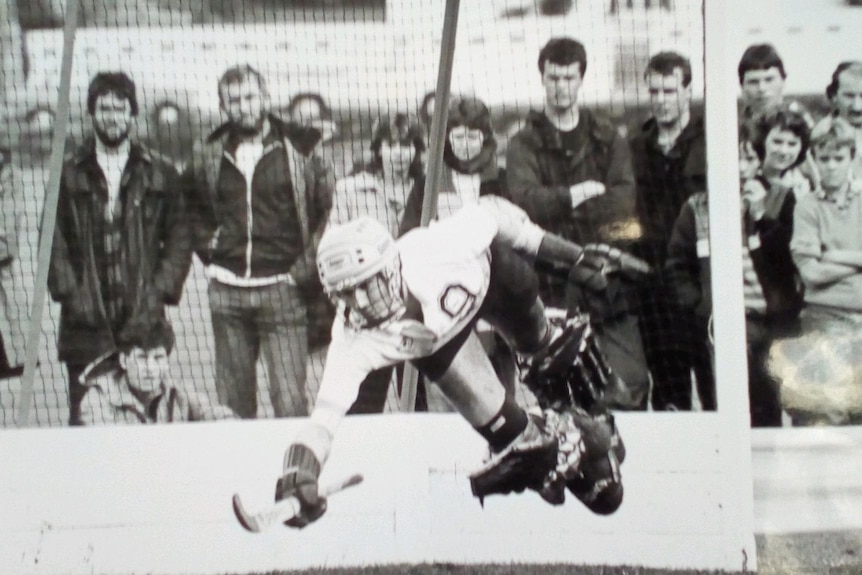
pixel 784 148
pixel 381 188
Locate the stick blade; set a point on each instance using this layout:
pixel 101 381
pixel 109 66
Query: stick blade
pixel 283 510
pixel 247 521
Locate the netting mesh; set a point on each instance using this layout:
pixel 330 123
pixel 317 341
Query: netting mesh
pixel 362 73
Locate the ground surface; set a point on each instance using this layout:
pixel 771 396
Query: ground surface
pixel 838 553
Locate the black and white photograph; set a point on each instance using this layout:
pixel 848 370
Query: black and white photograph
pixel 800 116
pixel 789 71
pixel 431 278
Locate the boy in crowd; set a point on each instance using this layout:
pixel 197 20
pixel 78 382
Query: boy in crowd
pixel 140 391
pixel 827 248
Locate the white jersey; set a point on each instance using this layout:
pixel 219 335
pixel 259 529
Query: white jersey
pixel 446 268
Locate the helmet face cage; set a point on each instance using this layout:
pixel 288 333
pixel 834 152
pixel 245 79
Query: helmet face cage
pixel 376 299
pixel 359 266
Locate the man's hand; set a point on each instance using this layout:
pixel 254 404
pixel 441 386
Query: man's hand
pixel 753 197
pixel 584 191
pixel 301 470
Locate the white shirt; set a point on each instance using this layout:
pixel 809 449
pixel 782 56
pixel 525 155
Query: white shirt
pixel 113 162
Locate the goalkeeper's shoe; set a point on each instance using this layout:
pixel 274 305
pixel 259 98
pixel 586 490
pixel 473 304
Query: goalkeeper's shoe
pixel 528 462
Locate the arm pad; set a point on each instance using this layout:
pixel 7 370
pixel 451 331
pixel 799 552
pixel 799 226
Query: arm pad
pixel 514 227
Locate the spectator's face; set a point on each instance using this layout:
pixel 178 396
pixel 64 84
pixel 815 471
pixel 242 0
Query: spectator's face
pixel 36 138
pixel 145 368
pixel 834 164
pixel 112 119
pixel 763 89
pixel 669 99
pixel 782 149
pixel 246 105
pixel 307 112
pixel 749 163
pixel 396 157
pixel 848 98
pixel 561 85
pixel 466 143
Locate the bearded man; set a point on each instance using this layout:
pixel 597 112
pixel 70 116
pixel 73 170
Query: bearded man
pixel 121 248
pixel 261 196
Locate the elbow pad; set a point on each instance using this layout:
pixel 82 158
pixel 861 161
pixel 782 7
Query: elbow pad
pixel 514 226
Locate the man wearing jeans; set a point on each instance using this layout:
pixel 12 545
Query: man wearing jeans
pixel 262 196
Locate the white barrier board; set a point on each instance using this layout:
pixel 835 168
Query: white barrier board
pixel 157 500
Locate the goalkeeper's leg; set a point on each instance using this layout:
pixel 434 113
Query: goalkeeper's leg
pixel 524 451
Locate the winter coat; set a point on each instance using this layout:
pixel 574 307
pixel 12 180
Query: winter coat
pixel 218 232
pixel 155 248
pixel 664 181
pixel 540 172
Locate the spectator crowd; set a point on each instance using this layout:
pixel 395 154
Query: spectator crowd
pixel 252 199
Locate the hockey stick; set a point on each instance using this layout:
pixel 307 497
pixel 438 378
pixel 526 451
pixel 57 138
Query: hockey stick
pixel 285 509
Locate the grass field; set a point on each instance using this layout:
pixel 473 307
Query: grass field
pixel 825 553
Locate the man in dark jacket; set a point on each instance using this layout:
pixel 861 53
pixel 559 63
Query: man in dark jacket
pixel 121 247
pixel 570 170
pixel 669 159
pixel 262 196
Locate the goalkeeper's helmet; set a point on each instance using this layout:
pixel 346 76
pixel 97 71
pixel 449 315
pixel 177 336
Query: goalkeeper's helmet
pixel 358 265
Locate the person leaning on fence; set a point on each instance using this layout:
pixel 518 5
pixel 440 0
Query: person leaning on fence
pixel 669 160
pixel 137 389
pixel 827 248
pixel 122 246
pixel 261 198
pixel 570 170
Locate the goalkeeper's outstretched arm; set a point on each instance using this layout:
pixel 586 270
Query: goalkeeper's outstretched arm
pixel 515 229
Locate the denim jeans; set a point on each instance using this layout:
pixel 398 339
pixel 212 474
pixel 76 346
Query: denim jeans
pixel 247 322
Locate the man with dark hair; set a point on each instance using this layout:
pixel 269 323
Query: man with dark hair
pixel 570 170
pixel 845 95
pixel 262 196
pixel 139 390
pixel 121 248
pixel 761 76
pixel 669 159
